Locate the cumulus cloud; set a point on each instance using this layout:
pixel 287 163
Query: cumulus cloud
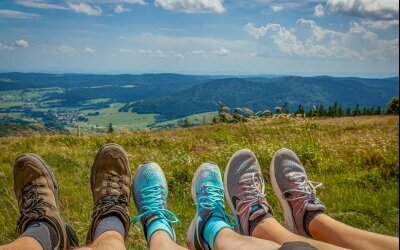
pixel 21 43
pixel 90 10
pixel 120 9
pixel 277 8
pixel 40 4
pixel 319 10
pixel 64 49
pixel 307 39
pixel 380 24
pixel 5 47
pixel 192 6
pixel 371 9
pixel 88 50
pixel 221 52
pixel 17 14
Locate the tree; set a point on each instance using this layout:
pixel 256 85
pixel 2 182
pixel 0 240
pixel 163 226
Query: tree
pixel 393 106
pixel 110 128
pixel 299 110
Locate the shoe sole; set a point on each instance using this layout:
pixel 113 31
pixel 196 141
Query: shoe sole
pixel 192 228
pixel 288 215
pixel 226 191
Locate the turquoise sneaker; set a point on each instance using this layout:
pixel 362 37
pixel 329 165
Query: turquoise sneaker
pixel 150 193
pixel 208 194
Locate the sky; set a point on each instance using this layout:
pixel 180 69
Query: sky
pixel 242 37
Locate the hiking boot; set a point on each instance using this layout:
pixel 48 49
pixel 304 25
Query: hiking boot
pixel 110 181
pixel 208 194
pixel 295 192
pixel 150 192
pixel 36 189
pixel 244 189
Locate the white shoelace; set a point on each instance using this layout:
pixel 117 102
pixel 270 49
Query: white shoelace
pixel 253 186
pixel 301 186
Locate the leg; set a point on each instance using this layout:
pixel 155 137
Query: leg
pixel 244 188
pixel 270 229
pixel 229 239
pixel 150 193
pixel 161 240
pixel 304 212
pixel 23 243
pixel 107 241
pixel 324 228
pixel 110 183
pixel 40 224
pixel 211 226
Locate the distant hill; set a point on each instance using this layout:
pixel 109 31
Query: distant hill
pixel 260 93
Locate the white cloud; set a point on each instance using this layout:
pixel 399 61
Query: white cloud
pixel 87 9
pixel 371 9
pixel 277 8
pixel 198 52
pixel 5 47
pixel 120 9
pixel 17 14
pixel 319 10
pixel 192 6
pixel 307 39
pixel 64 49
pixel 221 52
pixel 89 51
pixel 142 2
pixel 380 24
pixel 40 4
pixel 22 43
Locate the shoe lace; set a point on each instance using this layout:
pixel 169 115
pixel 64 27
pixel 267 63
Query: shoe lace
pixel 303 188
pixel 153 204
pixel 32 204
pixel 116 197
pixel 252 186
pixel 211 199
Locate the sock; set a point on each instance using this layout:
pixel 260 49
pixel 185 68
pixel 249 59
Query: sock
pixel 308 216
pixel 260 217
pixel 213 226
pixel 109 223
pixel 44 233
pixel 157 224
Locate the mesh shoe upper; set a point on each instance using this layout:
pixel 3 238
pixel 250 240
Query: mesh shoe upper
pixel 150 192
pixel 208 195
pixel 296 193
pixel 244 188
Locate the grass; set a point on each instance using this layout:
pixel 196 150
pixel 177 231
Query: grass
pixel 356 158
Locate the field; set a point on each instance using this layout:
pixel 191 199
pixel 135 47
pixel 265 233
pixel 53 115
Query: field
pixel 356 158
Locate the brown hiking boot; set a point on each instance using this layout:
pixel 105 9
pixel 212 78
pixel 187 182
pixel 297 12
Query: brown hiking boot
pixel 110 182
pixel 36 189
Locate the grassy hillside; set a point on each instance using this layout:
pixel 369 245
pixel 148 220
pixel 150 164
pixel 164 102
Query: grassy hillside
pixel 355 158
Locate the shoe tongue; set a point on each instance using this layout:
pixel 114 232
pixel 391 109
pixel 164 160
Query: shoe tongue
pixel 257 211
pixel 315 205
pixel 151 219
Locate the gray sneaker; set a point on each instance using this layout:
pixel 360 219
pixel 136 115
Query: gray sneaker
pixel 296 193
pixel 244 190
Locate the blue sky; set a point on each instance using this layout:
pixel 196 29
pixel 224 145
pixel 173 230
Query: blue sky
pixel 310 37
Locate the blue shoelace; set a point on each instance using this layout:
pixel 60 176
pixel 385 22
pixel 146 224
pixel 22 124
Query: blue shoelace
pixel 152 204
pixel 213 200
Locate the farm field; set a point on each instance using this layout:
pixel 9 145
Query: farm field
pixel 356 159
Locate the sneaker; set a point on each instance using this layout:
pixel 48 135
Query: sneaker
pixel 36 189
pixel 150 192
pixel 295 192
pixel 244 189
pixel 208 194
pixel 110 181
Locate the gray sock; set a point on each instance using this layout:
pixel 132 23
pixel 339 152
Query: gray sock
pixel 44 233
pixel 110 223
pixel 308 217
